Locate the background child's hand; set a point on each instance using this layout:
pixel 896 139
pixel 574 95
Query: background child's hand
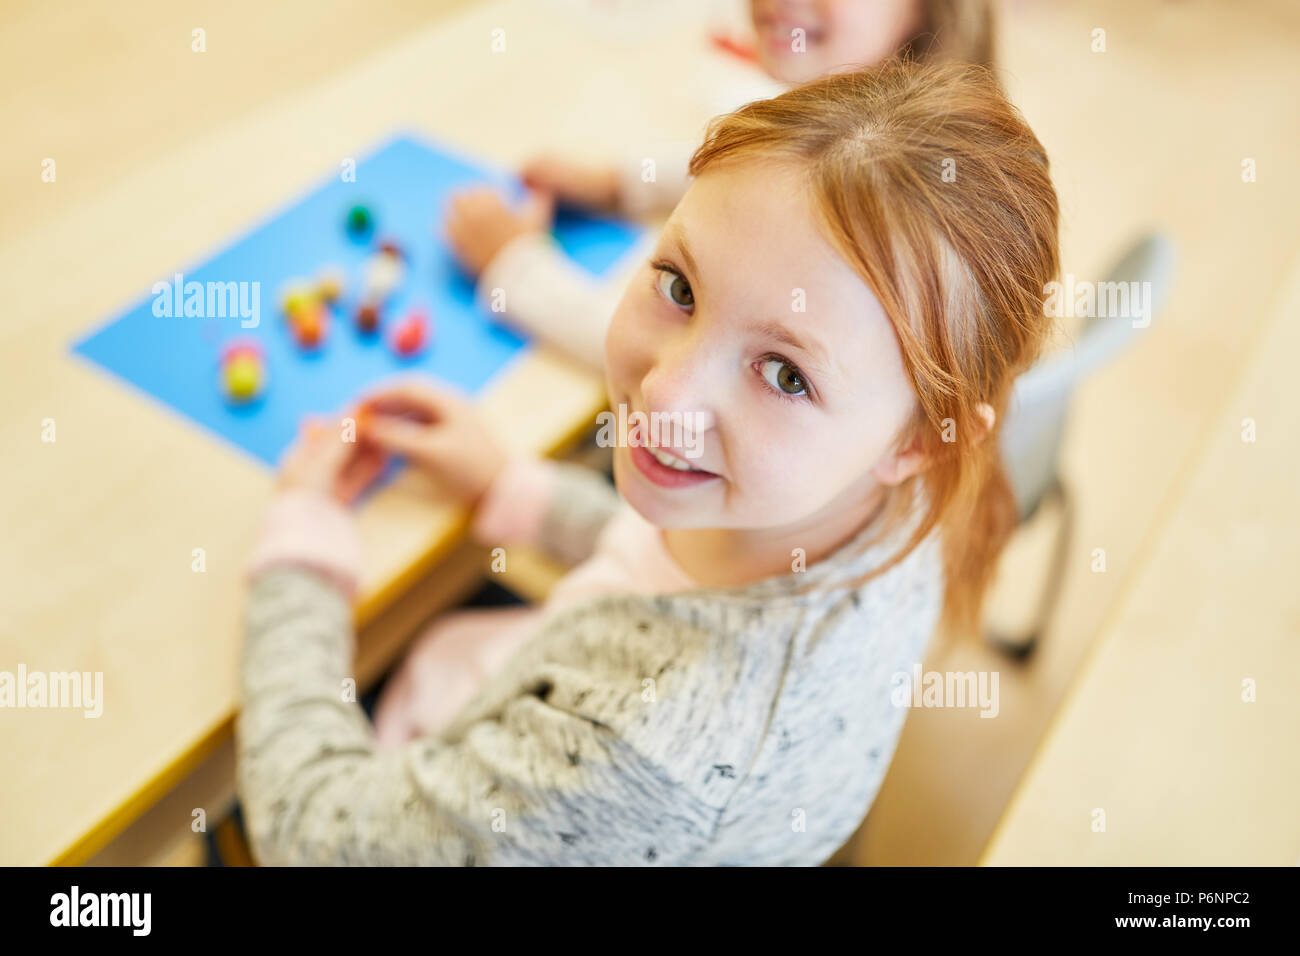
pixel 592 187
pixel 322 460
pixel 479 224
pixel 437 430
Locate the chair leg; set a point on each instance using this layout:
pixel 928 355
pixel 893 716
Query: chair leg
pixel 1020 647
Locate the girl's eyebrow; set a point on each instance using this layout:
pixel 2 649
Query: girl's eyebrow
pixel 779 332
pixel 677 234
pixel 771 328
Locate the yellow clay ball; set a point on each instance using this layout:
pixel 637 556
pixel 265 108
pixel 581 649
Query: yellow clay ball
pixel 243 377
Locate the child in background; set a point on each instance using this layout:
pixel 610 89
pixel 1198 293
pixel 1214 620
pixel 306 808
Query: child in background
pixel 546 295
pixel 838 324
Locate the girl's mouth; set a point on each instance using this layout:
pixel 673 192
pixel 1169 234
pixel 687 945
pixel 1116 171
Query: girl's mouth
pixel 777 35
pixel 665 470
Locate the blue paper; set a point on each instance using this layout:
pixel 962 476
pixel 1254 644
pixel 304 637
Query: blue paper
pixel 406 183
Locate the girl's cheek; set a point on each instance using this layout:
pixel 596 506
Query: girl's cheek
pixel 766 458
pixel 796 466
pixel 625 345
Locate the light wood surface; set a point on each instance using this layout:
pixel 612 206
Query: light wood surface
pixel 164 832
pixel 101 523
pixel 1184 728
pixel 1149 134
pixel 169 156
pixel 128 86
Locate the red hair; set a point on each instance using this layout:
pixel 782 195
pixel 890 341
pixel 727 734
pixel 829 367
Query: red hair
pixel 932 186
pixel 958 31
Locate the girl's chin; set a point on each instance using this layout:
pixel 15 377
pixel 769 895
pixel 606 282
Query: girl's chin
pixel 785 65
pixel 662 507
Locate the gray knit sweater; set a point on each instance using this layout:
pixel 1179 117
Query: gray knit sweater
pixel 742 726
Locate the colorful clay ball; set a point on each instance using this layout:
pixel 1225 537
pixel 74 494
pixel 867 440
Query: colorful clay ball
pixel 384 272
pixel 412 335
pixel 309 326
pixel 243 372
pixel 360 223
pixel 329 285
pixel 296 295
pixel 367 317
pixel 243 379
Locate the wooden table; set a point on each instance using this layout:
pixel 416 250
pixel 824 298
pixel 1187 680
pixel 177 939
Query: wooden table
pixel 1158 732
pixel 100 523
pixel 99 526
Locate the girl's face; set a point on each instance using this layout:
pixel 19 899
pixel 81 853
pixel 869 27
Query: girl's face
pixel 837 34
pixel 773 357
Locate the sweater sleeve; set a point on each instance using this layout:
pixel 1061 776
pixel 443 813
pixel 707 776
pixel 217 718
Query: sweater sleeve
pixel 529 779
pixel 653 180
pixel 558 506
pixel 310 530
pixel 533 286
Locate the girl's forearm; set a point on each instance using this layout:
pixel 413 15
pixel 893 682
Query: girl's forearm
pixel 310 530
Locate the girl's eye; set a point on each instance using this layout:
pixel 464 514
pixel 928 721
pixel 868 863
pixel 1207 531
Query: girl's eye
pixel 783 376
pixel 675 288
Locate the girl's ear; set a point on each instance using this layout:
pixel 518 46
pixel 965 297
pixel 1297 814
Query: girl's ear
pixel 903 462
pixel 987 418
pixel 911 459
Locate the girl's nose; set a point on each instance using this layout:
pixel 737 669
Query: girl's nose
pixel 686 380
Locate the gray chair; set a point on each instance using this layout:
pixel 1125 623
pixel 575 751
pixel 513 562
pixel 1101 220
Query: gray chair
pixel 1036 414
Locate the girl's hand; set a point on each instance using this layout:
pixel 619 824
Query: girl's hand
pixel 438 431
pixel 322 460
pixel 592 187
pixel 479 224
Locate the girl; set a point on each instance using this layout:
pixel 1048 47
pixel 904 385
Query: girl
pixel 546 295
pixel 841 303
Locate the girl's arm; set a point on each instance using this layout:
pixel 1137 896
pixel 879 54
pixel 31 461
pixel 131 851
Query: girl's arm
pixel 617 734
pixel 544 772
pixel 647 180
pixel 557 506
pixel 651 181
pixel 534 286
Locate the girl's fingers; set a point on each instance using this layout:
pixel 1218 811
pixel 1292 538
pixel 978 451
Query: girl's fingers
pixel 397 435
pixel 535 168
pixel 316 457
pixel 318 440
pixel 455 221
pixel 310 428
pixel 360 471
pixel 412 391
pixel 396 406
pixel 469 201
pixel 416 395
pixel 539 208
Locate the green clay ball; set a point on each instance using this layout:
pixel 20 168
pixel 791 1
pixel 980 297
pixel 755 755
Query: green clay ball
pixel 360 222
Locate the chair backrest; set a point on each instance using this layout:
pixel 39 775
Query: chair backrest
pixel 1035 421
